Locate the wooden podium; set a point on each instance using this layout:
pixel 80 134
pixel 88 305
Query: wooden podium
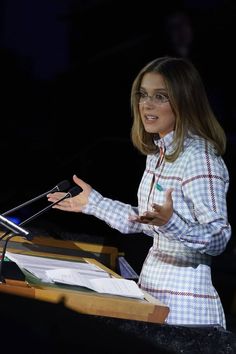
pixel 86 302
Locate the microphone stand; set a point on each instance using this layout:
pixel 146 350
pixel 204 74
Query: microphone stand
pixel 12 271
pixel 71 193
pixel 60 187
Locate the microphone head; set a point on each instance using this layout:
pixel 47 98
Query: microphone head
pixel 62 186
pixel 74 191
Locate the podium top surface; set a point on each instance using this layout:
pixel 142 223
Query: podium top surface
pixel 76 298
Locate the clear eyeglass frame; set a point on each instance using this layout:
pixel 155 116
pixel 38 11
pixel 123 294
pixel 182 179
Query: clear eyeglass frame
pixel 158 98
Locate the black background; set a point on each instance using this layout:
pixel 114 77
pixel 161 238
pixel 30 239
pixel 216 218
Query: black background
pixel 66 71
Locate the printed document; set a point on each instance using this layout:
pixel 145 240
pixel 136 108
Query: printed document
pixel 38 266
pixel 85 274
pixel 112 285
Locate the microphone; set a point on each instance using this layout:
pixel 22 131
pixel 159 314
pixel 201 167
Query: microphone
pixel 17 273
pixel 19 230
pixel 11 270
pixel 71 193
pixel 60 187
pixel 15 228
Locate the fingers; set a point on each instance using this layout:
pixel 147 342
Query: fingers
pixel 63 205
pixel 156 207
pixel 53 197
pixel 143 219
pixel 79 182
pixel 169 195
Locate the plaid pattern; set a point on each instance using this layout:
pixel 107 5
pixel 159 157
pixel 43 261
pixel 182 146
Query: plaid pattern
pixel 177 268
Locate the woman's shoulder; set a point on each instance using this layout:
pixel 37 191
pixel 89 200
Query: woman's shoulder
pixel 196 145
pixel 201 154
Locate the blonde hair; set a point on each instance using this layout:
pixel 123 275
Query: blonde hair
pixel 189 102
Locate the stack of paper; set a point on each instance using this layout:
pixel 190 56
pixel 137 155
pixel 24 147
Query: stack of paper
pixel 38 266
pixel 82 274
pixel 111 285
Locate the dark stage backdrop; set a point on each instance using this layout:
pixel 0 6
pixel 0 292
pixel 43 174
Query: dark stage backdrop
pixel 66 71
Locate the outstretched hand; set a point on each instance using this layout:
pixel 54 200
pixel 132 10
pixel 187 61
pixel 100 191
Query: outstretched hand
pixel 160 215
pixel 76 203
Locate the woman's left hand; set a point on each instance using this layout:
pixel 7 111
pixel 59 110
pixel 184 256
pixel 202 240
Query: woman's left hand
pixel 160 215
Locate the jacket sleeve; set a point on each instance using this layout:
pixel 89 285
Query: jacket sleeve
pixel 114 213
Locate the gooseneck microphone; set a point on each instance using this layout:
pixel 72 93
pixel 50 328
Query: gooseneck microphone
pixel 60 187
pixel 18 230
pixel 71 193
pixel 14 272
pixel 14 228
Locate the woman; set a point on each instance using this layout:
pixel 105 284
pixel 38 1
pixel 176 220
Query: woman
pixel 182 194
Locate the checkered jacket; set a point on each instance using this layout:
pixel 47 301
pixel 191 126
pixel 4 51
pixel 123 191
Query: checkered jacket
pixel 177 268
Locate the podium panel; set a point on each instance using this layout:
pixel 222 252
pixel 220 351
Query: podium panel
pixel 106 255
pixel 81 300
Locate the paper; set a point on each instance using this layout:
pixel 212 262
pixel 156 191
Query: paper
pixel 38 266
pixel 83 274
pixel 112 286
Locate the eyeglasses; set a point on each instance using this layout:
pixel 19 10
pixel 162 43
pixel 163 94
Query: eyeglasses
pixel 157 98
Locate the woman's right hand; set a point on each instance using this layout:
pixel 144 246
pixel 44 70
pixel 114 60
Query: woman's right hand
pixel 76 203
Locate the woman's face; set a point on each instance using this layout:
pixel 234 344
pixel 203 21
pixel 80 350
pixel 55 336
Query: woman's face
pixel 154 106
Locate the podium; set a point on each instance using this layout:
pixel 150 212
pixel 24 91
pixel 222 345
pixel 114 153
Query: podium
pixel 64 320
pixel 83 301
